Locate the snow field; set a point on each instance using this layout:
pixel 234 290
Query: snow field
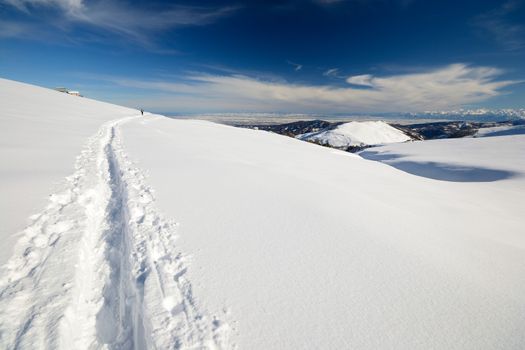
pixel 308 247
pixel 295 246
pixel 41 133
pixel 501 131
pixel 99 267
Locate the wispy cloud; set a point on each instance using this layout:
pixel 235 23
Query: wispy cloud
pixel 120 18
pixel 297 66
pixel 332 2
pixel 9 29
pixel 500 25
pixel 332 73
pixel 447 87
pixel 328 2
pixel 27 5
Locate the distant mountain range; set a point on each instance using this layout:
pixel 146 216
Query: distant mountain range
pixel 478 114
pixel 473 115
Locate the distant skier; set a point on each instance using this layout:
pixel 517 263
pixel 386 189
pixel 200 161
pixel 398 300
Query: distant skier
pixel 141 111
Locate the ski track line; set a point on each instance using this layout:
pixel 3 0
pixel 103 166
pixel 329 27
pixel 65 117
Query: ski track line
pixel 98 268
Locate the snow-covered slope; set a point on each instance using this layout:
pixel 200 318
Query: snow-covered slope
pixel 501 131
pixel 281 244
pixel 41 133
pixel 306 247
pixel 357 134
pixel 495 159
pixel 97 266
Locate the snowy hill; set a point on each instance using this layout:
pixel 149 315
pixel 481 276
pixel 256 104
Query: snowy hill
pixel 42 131
pixel 281 244
pixel 357 134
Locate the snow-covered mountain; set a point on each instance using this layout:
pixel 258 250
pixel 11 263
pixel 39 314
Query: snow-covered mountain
pixel 355 133
pixel 480 114
pixel 280 244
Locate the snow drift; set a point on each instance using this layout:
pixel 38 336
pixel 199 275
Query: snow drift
pixel 357 134
pixel 280 243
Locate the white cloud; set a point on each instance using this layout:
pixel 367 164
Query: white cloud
pixel 362 80
pixel 448 87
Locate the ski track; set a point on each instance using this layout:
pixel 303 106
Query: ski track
pixel 98 268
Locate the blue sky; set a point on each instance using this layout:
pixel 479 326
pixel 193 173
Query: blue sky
pixel 305 56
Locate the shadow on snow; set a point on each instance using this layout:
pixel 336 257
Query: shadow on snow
pixel 439 171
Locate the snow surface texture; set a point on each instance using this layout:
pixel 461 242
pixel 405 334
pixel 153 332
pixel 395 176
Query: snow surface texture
pixel 307 247
pixel 41 133
pixel 357 134
pixel 293 246
pixel 99 267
